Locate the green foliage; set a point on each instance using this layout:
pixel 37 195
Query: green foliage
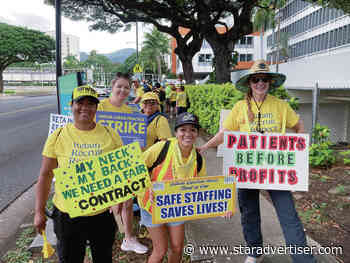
pixel 18 44
pixel 208 100
pixel 21 254
pixel 346 155
pixel 320 154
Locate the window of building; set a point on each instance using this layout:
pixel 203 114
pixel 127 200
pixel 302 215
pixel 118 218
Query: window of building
pixel 249 40
pixel 201 58
pixel 243 41
pixel 208 58
pixel 331 39
pixel 249 57
pixel 242 57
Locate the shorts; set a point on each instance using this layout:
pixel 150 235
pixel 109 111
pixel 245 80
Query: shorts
pixel 173 104
pixel 146 220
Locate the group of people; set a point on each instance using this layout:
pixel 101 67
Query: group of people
pixel 167 158
pixel 172 98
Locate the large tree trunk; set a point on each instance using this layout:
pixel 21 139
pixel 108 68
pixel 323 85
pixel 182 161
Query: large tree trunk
pixel 1 82
pixel 186 61
pixel 223 58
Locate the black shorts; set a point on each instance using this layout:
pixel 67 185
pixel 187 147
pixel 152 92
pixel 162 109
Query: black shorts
pixel 173 103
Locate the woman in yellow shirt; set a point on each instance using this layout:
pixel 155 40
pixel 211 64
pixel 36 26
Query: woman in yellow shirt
pixel 262 112
pixel 172 99
pixel 116 103
pixel 181 161
pixel 82 139
pixel 158 128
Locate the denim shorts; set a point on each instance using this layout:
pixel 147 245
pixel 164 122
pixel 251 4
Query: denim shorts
pixel 146 220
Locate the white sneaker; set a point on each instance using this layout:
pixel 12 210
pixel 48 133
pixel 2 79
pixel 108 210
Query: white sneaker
pixel 250 259
pixel 133 245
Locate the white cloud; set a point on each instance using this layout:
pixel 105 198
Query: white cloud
pixel 36 15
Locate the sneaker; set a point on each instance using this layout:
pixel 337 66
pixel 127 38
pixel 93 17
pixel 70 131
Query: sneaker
pixel 250 259
pixel 133 245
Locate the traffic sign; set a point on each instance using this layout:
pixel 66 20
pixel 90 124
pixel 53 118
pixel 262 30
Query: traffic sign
pixel 137 68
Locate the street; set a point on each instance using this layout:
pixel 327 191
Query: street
pixel 23 130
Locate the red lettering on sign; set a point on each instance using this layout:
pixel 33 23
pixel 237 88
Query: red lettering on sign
pixel 231 140
pixel 252 141
pixel 242 142
pixel 292 177
pixel 283 143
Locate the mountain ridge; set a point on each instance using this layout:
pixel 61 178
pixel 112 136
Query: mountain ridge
pixel 118 56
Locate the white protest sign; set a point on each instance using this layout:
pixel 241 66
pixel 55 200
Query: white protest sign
pixel 57 121
pixel 223 115
pixel 267 161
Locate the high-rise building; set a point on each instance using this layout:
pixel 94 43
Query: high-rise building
pixel 69 44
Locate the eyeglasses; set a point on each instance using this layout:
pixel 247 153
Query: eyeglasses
pixel 257 79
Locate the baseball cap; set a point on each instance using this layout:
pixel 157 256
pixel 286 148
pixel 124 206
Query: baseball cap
pixel 85 91
pixel 150 96
pixel 187 118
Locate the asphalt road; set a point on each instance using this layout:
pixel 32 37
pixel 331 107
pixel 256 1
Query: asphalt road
pixel 23 130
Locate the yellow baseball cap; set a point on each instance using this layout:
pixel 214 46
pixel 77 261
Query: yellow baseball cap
pixel 85 92
pixel 150 96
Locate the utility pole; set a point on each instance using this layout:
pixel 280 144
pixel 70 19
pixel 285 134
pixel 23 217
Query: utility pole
pixel 58 49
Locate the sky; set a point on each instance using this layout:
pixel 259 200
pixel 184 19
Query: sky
pixel 35 14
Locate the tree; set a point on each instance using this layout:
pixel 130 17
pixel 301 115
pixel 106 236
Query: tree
pixel 18 44
pixel 157 45
pixel 339 4
pixel 71 62
pixel 200 17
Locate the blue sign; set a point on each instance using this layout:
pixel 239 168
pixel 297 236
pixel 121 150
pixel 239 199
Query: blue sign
pixel 131 127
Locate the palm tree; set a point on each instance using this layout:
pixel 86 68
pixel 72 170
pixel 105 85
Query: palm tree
pixel 155 46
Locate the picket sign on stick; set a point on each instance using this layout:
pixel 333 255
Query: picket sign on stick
pixel 267 161
pixel 195 198
pixel 102 181
pixel 58 120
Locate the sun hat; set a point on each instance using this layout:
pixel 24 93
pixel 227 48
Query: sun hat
pixel 150 96
pixel 260 67
pixel 187 118
pixel 85 91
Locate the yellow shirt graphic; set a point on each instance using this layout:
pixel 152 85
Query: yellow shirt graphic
pixel 70 145
pixel 274 113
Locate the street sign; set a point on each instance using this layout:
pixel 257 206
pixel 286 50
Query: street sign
pixel 137 68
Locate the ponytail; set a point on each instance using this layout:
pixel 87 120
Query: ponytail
pixel 248 98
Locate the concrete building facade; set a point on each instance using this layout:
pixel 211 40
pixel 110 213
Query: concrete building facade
pixel 70 44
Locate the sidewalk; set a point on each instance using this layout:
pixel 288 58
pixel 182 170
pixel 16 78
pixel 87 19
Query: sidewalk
pixel 215 231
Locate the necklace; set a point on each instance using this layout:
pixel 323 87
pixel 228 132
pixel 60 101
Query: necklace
pixel 259 114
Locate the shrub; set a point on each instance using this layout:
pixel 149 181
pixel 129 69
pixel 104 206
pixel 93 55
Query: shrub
pixel 320 153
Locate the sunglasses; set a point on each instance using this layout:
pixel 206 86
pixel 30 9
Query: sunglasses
pixel 257 79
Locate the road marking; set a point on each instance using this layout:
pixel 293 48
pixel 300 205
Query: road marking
pixel 25 109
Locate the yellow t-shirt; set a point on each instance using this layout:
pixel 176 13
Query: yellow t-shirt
pixel 151 155
pixel 70 145
pixel 181 99
pixel 274 112
pixel 139 91
pixel 106 105
pixel 173 95
pixel 158 129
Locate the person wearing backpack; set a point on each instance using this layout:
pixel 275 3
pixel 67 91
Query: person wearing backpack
pixel 158 128
pixel 176 158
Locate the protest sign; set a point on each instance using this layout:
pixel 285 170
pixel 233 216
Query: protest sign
pixel 102 181
pixel 66 85
pixel 57 121
pixel 131 127
pixel 267 161
pixel 194 198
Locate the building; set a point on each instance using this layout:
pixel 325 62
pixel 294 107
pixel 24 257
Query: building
pixel 70 44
